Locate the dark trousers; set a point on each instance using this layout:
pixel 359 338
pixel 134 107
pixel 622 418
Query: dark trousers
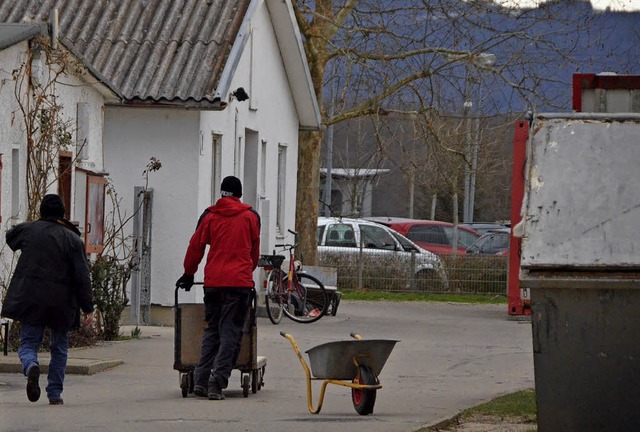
pixel 225 312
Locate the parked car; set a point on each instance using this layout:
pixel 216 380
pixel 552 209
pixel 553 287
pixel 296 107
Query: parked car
pixel 483 227
pixel 386 256
pixel 493 242
pixel 434 236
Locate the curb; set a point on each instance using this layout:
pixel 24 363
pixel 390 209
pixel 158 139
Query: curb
pixel 75 366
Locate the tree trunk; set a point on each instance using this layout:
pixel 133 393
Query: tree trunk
pixel 308 195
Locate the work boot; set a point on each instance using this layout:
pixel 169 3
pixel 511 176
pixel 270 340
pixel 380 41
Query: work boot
pixel 215 392
pixel 200 391
pixel 58 401
pixel 33 387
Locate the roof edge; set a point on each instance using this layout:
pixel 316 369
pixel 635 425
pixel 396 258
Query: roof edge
pixel 19 32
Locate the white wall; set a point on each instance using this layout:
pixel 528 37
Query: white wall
pixel 182 140
pixel 132 136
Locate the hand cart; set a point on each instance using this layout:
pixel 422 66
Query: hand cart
pixel 358 360
pixel 188 331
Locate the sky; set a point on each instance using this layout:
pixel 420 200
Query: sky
pixel 627 5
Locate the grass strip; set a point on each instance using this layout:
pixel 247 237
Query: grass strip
pixel 447 298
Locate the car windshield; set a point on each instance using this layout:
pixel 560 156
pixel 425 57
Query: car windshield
pixel 404 242
pixel 502 241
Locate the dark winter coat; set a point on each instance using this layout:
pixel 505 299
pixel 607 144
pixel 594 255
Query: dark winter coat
pixel 51 280
pixel 232 231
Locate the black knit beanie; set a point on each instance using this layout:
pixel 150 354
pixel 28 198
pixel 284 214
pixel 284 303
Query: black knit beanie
pixel 52 207
pixel 231 186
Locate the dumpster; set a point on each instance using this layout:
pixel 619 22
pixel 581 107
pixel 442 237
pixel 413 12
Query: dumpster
pixel 580 260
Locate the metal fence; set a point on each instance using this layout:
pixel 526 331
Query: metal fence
pixel 462 274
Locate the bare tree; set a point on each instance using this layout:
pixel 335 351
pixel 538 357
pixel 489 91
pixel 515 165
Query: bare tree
pixel 414 56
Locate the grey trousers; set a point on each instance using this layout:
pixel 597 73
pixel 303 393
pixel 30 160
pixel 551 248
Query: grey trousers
pixel 225 310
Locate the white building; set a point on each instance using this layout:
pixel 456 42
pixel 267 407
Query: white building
pixel 177 66
pixel 30 69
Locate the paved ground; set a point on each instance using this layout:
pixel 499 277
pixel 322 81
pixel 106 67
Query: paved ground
pixel 450 357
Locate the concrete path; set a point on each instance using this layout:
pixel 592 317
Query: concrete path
pixel 450 357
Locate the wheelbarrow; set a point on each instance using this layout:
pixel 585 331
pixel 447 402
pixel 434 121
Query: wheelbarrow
pixel 359 361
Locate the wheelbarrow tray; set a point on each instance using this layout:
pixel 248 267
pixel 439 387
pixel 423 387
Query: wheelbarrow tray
pixel 334 360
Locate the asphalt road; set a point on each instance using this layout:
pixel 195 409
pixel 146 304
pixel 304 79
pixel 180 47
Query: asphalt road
pixel 450 357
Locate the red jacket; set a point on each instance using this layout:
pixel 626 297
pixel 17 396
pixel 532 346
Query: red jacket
pixel 232 231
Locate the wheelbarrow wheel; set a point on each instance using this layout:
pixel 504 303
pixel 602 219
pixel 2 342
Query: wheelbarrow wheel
pixel 364 400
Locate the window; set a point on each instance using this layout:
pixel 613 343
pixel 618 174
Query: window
pixel 263 167
pixel 238 157
pixel 465 238
pixel 94 221
pixel 374 237
pixel 282 181
pixel 340 235
pixel 65 169
pixel 216 165
pixel 15 183
pixel 427 234
pixel 502 241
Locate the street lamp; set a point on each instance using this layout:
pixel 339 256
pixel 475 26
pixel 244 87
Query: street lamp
pixel 471 153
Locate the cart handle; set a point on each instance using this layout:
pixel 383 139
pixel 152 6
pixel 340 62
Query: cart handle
pixel 178 289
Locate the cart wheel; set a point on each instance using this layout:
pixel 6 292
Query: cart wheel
pixel 245 385
pixel 254 381
pixel 262 376
pixel 335 303
pixel 184 384
pixel 364 400
pixel 192 382
pixel 259 379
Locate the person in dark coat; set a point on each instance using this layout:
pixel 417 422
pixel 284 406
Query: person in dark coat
pixel 232 231
pixel 50 285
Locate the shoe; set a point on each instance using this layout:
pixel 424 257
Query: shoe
pixel 200 391
pixel 56 402
pixel 215 392
pixel 33 388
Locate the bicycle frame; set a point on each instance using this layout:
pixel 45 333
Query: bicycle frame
pixel 299 297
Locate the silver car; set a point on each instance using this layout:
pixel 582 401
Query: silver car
pixel 373 255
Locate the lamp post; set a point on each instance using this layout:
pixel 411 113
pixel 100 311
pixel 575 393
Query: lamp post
pixel 471 153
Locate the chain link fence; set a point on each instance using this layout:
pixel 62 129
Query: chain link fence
pixel 447 274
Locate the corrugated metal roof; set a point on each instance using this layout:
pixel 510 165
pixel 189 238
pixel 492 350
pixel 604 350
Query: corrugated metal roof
pixel 151 51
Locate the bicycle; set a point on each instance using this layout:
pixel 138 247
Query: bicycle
pixel 296 294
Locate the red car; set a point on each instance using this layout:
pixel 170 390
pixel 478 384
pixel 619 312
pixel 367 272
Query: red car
pixel 434 236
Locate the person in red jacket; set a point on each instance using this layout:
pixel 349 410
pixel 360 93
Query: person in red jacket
pixel 232 231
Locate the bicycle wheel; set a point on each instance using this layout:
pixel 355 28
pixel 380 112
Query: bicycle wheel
pixel 274 296
pixel 308 301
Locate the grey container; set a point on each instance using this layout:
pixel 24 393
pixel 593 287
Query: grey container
pixel 581 261
pixel 334 360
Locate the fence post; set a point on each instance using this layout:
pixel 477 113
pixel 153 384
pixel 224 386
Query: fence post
pixel 412 272
pixel 360 265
